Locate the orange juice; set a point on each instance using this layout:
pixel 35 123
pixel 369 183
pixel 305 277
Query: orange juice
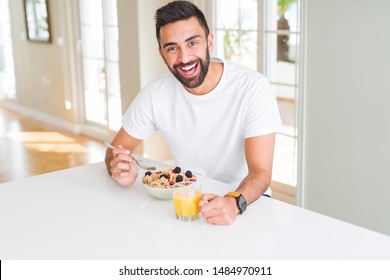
pixel 186 204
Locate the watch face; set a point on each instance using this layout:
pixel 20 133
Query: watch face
pixel 241 203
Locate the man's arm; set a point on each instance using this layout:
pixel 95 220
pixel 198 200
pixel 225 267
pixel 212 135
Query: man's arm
pixel 259 153
pixel 120 165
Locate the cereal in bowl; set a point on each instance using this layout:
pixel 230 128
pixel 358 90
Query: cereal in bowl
pixel 168 178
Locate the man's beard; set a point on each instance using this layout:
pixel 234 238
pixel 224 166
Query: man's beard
pixel 196 81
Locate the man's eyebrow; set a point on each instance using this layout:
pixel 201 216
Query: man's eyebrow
pixel 169 44
pixel 193 37
pixel 187 40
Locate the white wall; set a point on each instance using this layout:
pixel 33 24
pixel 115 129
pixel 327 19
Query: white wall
pixel 129 50
pixel 347 134
pixel 41 78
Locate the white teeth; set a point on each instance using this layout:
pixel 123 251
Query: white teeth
pixel 188 67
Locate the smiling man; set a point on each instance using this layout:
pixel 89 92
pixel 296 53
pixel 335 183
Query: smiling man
pixel 219 118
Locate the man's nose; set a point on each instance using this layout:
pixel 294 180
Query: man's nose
pixel 184 55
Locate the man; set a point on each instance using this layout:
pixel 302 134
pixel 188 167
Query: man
pixel 218 118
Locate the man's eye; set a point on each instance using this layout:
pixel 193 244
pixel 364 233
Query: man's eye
pixel 193 44
pixel 171 49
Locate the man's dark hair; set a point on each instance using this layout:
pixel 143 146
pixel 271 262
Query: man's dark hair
pixel 178 10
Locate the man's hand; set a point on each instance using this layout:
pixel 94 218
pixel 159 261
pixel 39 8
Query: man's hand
pixel 124 169
pixel 218 210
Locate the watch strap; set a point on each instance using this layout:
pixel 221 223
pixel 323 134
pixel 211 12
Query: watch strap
pixel 234 194
pixel 237 196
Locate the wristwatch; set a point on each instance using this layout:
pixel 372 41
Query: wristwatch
pixel 240 200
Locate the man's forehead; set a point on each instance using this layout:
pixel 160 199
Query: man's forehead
pixel 182 29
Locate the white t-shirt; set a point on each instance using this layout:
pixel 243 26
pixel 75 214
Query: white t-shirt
pixel 206 133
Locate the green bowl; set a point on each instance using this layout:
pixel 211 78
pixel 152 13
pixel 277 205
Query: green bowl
pixel 166 194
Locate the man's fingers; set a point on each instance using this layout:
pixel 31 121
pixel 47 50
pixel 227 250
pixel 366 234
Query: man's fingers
pixel 120 150
pixel 217 210
pixel 210 202
pixel 208 196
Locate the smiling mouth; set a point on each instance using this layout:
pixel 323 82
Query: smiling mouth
pixel 189 69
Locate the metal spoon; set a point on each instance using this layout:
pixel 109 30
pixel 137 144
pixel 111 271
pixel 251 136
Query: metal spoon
pixel 139 162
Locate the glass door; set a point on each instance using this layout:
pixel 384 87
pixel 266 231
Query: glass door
pixel 236 31
pixel 282 35
pixel 264 35
pixel 100 61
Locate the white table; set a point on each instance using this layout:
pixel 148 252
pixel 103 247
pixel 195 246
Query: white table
pixel 81 213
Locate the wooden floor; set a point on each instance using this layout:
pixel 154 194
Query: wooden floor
pixel 29 148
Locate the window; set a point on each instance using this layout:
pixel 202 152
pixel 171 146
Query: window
pixel 100 59
pixel 7 76
pixel 236 31
pixel 237 24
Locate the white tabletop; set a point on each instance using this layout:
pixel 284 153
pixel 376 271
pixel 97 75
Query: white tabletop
pixel 81 213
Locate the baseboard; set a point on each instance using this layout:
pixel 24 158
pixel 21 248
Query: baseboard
pixel 285 99
pixel 97 133
pixel 85 129
pixel 40 116
pixel 284 192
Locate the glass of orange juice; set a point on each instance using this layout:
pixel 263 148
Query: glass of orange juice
pixel 186 202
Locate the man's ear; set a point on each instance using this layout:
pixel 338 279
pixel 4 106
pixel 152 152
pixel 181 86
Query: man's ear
pixel 162 55
pixel 210 42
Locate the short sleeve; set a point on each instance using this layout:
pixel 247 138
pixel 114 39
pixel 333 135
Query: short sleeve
pixel 262 116
pixel 138 120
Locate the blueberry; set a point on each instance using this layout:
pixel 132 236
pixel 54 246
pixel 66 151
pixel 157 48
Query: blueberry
pixel 148 173
pixel 165 176
pixel 189 174
pixel 176 170
pixel 179 178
